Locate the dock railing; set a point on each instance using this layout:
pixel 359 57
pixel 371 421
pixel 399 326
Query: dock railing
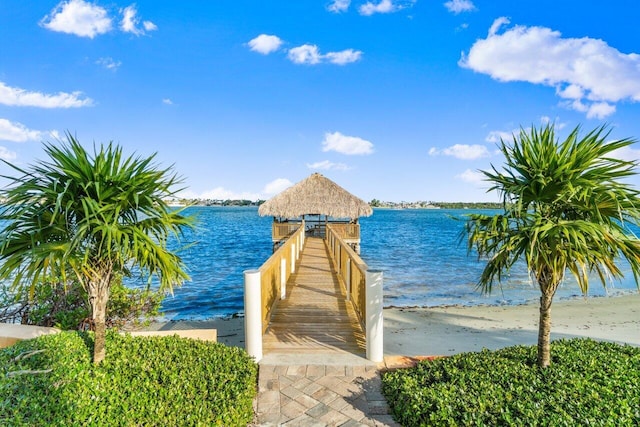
pixel 363 288
pixel 265 286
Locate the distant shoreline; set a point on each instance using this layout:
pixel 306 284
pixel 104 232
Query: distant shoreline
pixel 376 204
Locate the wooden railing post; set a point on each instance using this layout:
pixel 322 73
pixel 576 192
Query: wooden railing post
pixel 374 320
pixel 253 314
pixel 293 258
pixel 348 281
pixel 283 278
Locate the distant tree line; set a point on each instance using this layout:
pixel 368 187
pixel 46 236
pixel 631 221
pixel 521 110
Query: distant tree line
pixel 375 203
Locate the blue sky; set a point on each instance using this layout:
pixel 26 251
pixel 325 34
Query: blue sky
pixel 400 100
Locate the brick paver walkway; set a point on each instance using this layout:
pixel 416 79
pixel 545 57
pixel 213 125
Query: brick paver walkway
pixel 319 395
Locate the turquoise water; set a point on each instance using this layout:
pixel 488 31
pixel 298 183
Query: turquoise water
pixel 419 251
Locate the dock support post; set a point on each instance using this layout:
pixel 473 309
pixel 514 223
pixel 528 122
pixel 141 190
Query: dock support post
pixel 373 315
pixel 253 314
pixel 283 278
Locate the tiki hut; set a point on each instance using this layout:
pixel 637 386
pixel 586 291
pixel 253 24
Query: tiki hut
pixel 318 201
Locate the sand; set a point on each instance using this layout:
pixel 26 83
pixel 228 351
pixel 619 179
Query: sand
pixel 450 330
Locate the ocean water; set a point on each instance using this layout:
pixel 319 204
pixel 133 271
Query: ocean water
pixel 420 252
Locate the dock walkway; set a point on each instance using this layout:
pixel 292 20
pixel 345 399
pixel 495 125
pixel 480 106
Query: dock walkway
pixel 315 316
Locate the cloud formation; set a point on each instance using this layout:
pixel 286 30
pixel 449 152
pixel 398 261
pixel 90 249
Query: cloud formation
pixel 472 177
pixel 265 44
pixel 7 155
pixel 276 186
pixel 349 145
pixel 78 17
pixel 109 63
pixel 221 193
pixel 16 97
pixel 588 75
pixel 310 55
pixel 17 132
pixel 384 6
pixel 327 165
pixel 338 6
pixel 459 6
pixel 130 22
pixel 306 54
pixel 343 57
pixel 462 151
pixel 84 19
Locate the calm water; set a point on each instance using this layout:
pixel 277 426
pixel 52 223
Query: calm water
pixel 419 251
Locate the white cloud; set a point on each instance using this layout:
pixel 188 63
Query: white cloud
pixel 497 23
pixel 327 165
pixel 459 6
pixel 600 110
pixel 627 153
pixel 557 124
pixel 78 17
pixel 130 22
pixel 346 56
pixel 265 44
pixel 276 186
pixel 310 55
pixel 6 154
pixel 462 151
pixel 221 193
pixel 305 54
pixel 17 132
pixel 589 75
pixel 384 6
pixel 350 145
pixel 16 97
pixel 109 63
pixel 497 135
pixel 149 26
pixel 337 6
pixel 167 101
pixel 472 177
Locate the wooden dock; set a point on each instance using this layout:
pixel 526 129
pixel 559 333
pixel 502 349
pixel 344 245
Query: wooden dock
pixel 315 316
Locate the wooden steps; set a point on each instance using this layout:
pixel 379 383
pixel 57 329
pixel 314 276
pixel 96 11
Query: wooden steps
pixel 314 317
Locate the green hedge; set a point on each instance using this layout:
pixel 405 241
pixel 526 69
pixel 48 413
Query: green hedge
pixel 589 383
pixel 143 381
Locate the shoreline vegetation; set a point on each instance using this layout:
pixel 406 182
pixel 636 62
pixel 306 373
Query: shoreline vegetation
pixel 375 203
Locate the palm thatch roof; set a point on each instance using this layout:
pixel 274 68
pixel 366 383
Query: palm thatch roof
pixel 315 195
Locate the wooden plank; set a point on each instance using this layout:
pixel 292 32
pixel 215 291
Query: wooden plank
pixel 315 316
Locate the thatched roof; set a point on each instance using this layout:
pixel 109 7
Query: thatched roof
pixel 315 195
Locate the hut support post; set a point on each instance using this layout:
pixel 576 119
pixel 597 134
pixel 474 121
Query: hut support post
pixel 253 314
pixel 373 315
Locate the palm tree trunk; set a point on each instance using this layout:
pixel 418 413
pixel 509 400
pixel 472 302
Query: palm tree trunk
pixel 544 330
pixel 98 297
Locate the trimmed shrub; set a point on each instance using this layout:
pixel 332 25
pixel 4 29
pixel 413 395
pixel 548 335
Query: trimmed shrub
pixel 144 381
pixel 588 383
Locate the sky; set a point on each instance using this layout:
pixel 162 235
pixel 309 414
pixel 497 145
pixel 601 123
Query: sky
pixel 398 100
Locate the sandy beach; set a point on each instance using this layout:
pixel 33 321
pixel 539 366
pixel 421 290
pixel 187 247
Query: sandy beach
pixel 451 330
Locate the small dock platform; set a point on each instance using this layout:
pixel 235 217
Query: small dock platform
pixel 315 316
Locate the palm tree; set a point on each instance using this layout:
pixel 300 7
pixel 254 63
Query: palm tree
pixel 567 207
pixel 92 218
